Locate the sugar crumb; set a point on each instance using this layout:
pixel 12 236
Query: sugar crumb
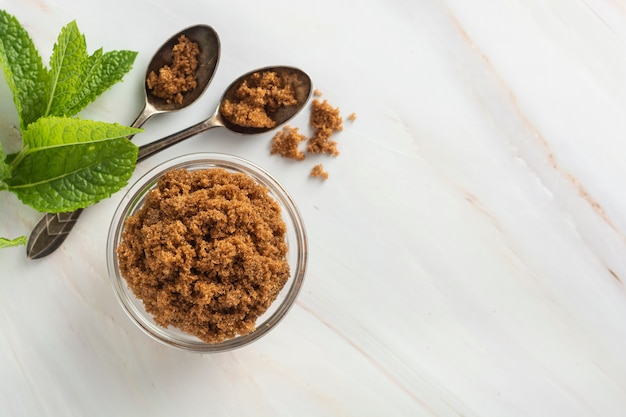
pixel 325 120
pixel 285 143
pixel 319 172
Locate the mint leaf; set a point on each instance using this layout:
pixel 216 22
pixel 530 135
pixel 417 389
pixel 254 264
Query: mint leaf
pixel 5 169
pixel 100 73
pixel 68 60
pixel 68 164
pixel 23 69
pixel 7 243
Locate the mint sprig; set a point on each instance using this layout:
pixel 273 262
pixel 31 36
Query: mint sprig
pixel 75 78
pixel 65 163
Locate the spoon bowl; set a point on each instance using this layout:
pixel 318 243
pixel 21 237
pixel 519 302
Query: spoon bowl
pixel 209 45
pixel 300 82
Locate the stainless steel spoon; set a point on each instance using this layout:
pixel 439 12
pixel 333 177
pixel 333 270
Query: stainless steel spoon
pixel 52 229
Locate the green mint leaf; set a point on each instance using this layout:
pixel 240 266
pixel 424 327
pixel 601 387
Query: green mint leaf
pixel 7 243
pixel 5 168
pixel 68 60
pixel 101 72
pixel 68 164
pixel 23 69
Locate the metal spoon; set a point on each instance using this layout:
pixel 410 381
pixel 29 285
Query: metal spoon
pixel 52 229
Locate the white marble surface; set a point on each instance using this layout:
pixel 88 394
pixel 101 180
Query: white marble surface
pixel 468 252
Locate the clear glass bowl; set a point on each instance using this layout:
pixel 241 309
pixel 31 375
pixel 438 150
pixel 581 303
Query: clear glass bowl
pixel 296 255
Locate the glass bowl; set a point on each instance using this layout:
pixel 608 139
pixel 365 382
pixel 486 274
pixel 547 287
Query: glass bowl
pixel 296 255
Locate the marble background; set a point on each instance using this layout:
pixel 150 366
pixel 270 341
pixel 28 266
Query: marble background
pixel 467 254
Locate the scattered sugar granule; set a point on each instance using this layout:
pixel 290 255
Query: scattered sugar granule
pixel 285 143
pixel 325 120
pixel 318 171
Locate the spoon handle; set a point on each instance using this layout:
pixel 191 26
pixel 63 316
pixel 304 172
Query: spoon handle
pixel 50 232
pixel 151 148
pixel 148 111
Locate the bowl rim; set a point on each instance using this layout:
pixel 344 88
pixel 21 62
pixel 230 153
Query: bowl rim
pixel 135 195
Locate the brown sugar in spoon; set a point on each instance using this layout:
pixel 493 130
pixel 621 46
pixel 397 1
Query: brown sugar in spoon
pixel 50 232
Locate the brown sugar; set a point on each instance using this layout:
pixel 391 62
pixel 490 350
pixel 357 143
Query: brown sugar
pixel 318 171
pixel 257 99
pixel 285 143
pixel 320 142
pixel 206 252
pixel 317 93
pixel 325 117
pixel 179 78
pixel 325 120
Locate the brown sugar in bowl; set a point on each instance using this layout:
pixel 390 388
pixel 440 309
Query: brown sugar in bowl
pixel 173 335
